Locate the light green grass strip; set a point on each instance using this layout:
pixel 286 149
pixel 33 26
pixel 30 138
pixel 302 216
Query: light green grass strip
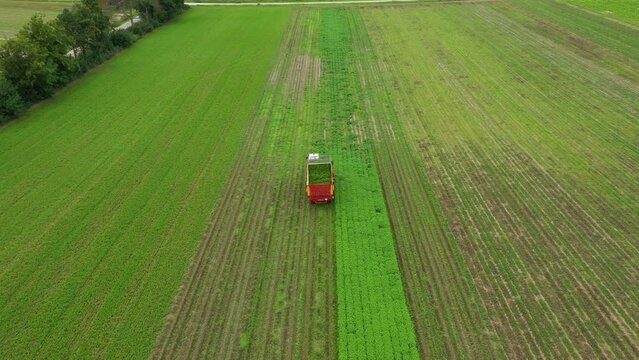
pixel 373 317
pixel 106 189
pixel 624 10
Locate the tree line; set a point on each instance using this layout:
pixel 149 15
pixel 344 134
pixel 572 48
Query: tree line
pixel 46 55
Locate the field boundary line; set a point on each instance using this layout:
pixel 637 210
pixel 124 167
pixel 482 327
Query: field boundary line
pixel 339 2
pixel 598 14
pixel 299 3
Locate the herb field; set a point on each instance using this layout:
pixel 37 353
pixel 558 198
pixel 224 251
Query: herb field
pixel 486 195
pixel 107 188
pixel 285 303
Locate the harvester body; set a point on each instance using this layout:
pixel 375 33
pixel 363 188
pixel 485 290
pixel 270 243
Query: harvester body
pixel 320 179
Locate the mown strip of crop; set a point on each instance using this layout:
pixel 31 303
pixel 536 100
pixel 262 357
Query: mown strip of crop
pixel 373 316
pixel 263 282
pixel 106 189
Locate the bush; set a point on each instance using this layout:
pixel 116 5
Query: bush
pixel 147 11
pixel 29 69
pixel 35 61
pixel 89 30
pixel 170 9
pixel 122 38
pixel 11 104
pixel 144 27
pixel 52 39
pixel 96 54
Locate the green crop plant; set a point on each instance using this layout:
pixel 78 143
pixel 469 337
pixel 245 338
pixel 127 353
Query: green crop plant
pixel 319 174
pixel 373 317
pixel 486 206
pixel 269 256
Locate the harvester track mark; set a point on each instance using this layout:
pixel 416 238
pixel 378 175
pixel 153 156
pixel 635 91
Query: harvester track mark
pixel 250 284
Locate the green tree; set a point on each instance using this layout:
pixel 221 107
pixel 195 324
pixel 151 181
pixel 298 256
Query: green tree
pixel 34 62
pixel 11 103
pixel 89 29
pixel 29 69
pixel 51 38
pixel 171 8
pixel 124 5
pixel 146 9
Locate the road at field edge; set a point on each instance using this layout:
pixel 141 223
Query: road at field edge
pixel 345 2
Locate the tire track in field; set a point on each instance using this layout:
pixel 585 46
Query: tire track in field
pixel 288 319
pixel 248 291
pixel 476 173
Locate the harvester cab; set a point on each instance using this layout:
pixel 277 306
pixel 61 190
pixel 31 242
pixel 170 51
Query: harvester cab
pixel 320 178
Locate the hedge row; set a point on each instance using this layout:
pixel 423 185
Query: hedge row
pixel 46 55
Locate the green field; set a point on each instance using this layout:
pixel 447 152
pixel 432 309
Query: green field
pixel 625 10
pixel 43 1
pixel 486 201
pixel 14 14
pixel 518 141
pixel 107 187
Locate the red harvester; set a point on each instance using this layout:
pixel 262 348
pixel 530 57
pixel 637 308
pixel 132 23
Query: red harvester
pixel 320 178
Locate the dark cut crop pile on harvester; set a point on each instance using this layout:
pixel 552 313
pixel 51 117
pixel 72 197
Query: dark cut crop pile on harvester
pixel 320 178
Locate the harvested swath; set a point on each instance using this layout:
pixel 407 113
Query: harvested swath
pixel 319 173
